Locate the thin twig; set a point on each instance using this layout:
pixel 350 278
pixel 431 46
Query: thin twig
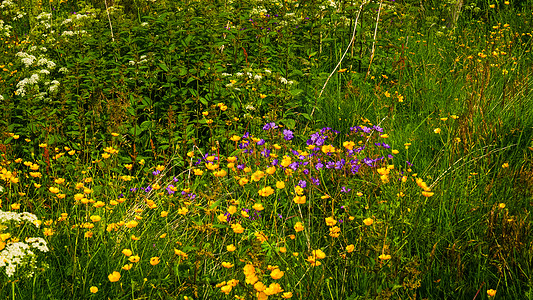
pixel 374 42
pixel 340 61
pixel 109 19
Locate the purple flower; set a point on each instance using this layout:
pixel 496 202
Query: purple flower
pixel 175 179
pixel 355 169
pixel 265 152
pixel 302 183
pixel 261 142
pixel 275 162
pixel 156 172
pixel 345 189
pixel 306 171
pixel 330 165
pixel 240 166
pixel 270 125
pixel 319 165
pixel 315 181
pixel 294 166
pixel 340 164
pixel 169 190
pixel 287 134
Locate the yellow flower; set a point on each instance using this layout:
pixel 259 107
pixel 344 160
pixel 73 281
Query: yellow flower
pixel 227 265
pixel 427 194
pixel 48 232
pixel 501 206
pixel 231 248
pixel 220 173
pixel 53 189
pixel 350 248
pixel 330 221
pixel 276 274
pixel 59 180
pixel 95 218
pixel 280 185
pixel 266 191
pixel 437 130
pixel 384 257
pixel 127 252
pixel 298 227
pixel 154 260
pixel 164 214
pixel 134 258
pixel 334 231
pixel 505 165
pixel 93 289
pixel 131 224
pixel 183 211
pixel 15 206
pixel 237 228
pixel 491 293
pixel 198 172
pixel 286 295
pixel 97 204
pixel 257 175
pixel 114 277
pixel 299 199
pixel 259 286
pixel 368 221
pixel 271 170
pixel 105 155
pixel 258 207
pixel 181 253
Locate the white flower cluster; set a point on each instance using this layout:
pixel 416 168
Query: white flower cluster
pixel 7 4
pixel 5 30
pixel 10 216
pixel 285 81
pixel 27 59
pixel 53 86
pixel 20 254
pixel 141 61
pixel 17 254
pixel 21 85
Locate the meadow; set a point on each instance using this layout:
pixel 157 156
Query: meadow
pixel 246 149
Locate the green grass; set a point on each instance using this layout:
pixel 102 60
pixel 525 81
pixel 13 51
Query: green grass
pixel 110 149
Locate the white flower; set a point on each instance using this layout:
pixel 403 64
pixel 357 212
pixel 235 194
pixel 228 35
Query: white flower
pixel 144 24
pixel 63 70
pixel 226 74
pixel 44 71
pixel 268 71
pixel 239 74
pixel 283 80
pixel 257 77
